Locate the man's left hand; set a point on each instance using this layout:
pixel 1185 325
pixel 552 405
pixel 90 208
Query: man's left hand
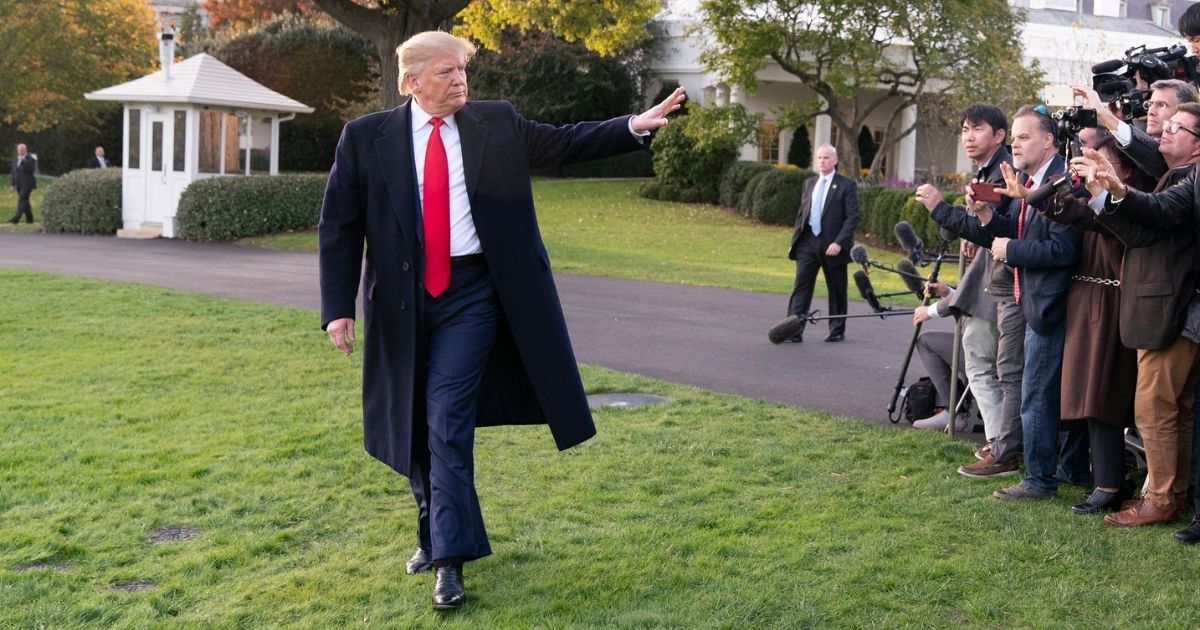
pixel 1000 249
pixel 833 250
pixel 656 116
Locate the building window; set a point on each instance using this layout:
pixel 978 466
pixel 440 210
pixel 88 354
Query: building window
pixel 178 155
pixel 219 143
pixel 135 138
pixel 768 143
pixel 1160 14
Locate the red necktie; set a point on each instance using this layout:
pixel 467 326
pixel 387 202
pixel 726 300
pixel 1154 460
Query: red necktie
pixel 1020 232
pixel 436 213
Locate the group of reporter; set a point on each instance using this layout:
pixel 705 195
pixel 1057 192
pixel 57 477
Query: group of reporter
pixel 1082 318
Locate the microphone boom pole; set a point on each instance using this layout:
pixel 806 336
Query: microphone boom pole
pixel 912 346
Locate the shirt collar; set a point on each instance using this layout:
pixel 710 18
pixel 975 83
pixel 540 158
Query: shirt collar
pixel 1040 176
pixel 420 117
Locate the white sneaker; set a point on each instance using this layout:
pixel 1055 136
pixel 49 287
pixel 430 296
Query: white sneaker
pixel 936 421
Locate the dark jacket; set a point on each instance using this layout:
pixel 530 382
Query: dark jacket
pixel 1155 288
pixel 532 375
pixel 838 220
pixel 22 175
pixel 1044 258
pixel 1143 150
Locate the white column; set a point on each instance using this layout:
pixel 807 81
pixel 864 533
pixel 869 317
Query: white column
pixel 275 144
pixel 906 149
pixel 722 95
pixel 785 142
pixel 962 162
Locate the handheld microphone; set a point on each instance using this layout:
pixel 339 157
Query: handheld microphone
pixel 858 254
pixel 1104 67
pixel 912 279
pixel 867 291
pixel 1041 193
pixel 910 242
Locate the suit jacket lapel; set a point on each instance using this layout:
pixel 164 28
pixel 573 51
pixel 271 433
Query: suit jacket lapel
pixel 829 190
pixel 472 135
pixel 393 145
pixel 806 202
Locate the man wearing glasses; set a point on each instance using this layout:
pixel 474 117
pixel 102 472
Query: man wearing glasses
pixel 1142 146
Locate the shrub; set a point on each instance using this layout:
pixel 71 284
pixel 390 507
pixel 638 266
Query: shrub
pixel 734 181
pixel 86 201
pixel 224 208
pixel 776 196
pixel 680 163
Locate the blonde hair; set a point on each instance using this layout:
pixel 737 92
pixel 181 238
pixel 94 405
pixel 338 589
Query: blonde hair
pixel 421 48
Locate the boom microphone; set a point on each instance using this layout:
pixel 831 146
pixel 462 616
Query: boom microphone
pixel 947 235
pixel 910 242
pixel 1104 67
pixel 1043 192
pixel 867 291
pixel 858 254
pixel 911 278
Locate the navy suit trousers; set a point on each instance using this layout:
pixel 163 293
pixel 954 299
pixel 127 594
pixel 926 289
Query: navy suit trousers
pixel 460 329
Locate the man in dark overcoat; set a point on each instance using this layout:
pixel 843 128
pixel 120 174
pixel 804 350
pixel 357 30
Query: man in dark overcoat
pixel 462 319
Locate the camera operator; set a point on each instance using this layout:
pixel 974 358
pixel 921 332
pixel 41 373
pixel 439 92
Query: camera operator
pixel 1169 346
pixel 1042 254
pixel 1142 146
pixel 993 334
pixel 1189 28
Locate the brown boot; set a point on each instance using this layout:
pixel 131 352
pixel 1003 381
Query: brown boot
pixel 1144 513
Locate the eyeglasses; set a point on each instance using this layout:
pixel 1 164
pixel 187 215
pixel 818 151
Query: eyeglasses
pixel 1157 104
pixel 1173 127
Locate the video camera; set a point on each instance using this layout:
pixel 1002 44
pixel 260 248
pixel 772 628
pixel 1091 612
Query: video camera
pixel 1152 64
pixel 1068 122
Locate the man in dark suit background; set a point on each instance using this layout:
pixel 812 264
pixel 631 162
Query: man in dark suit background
pixel 822 240
pixel 463 323
pixel 23 182
pixel 98 160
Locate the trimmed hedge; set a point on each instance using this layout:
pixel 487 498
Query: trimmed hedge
pixel 882 208
pixel 86 201
pixel 223 208
pixel 774 195
pixel 734 180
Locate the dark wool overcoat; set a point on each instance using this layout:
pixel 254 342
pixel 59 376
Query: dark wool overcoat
pixel 372 197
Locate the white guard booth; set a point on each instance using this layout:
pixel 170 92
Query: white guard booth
pixel 192 120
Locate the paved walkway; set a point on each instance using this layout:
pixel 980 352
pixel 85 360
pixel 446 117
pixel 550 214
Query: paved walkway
pixel 711 338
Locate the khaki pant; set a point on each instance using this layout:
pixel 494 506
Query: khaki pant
pixel 1162 409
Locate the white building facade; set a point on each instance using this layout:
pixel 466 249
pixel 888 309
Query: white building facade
pixel 1067 37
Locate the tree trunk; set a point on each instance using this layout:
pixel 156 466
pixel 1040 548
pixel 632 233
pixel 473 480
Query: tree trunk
pixel 389 27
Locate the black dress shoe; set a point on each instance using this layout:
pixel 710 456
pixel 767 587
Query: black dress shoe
pixel 833 338
pixel 448 592
pixel 420 561
pixel 1189 535
pixel 1100 501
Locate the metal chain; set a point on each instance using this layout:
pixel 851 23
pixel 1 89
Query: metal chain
pixel 1103 281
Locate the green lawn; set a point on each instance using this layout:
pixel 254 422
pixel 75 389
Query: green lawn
pixel 8 207
pixel 125 408
pixel 602 227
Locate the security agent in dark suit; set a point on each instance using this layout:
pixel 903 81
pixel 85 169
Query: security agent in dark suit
pixel 824 234
pixel 463 323
pixel 98 160
pixel 23 182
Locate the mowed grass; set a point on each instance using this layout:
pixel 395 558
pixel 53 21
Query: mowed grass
pixel 8 206
pixel 603 228
pixel 124 409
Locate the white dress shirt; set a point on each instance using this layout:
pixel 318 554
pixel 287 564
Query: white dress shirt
pixel 463 239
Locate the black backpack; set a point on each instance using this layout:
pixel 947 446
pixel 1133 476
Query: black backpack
pixel 919 400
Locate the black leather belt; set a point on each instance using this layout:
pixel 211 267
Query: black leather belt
pixel 463 262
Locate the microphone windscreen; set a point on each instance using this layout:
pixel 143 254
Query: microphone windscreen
pixel 947 235
pixel 867 291
pixel 858 254
pixel 909 241
pixel 912 280
pixel 1107 66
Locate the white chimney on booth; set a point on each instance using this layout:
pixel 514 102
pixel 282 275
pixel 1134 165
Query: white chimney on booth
pixel 166 53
